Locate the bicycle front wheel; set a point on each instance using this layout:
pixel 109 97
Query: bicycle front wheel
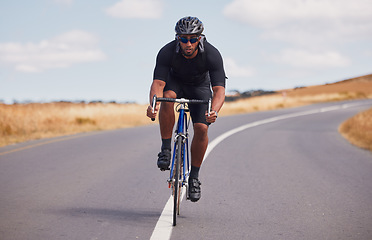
pixel 177 183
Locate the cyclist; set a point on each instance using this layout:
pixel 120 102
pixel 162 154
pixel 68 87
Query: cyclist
pixel 188 67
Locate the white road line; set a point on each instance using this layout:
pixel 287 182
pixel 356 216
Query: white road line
pixel 163 228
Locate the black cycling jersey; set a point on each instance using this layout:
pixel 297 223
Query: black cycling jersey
pixel 190 71
pixel 191 78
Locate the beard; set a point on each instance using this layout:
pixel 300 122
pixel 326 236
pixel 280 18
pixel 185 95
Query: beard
pixel 188 51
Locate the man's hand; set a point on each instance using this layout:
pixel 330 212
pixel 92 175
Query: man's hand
pixel 150 113
pixel 157 88
pixel 212 116
pixel 217 102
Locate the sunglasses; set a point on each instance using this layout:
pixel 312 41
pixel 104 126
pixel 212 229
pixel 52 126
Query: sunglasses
pixel 185 40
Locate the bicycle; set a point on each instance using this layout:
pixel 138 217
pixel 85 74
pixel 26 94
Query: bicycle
pixel 180 166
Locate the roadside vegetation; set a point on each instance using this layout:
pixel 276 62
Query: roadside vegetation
pixel 358 129
pixel 23 122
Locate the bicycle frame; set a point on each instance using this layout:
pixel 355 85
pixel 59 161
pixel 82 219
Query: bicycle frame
pixel 181 132
pixel 180 159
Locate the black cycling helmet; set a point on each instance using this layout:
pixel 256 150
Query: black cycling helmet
pixel 189 25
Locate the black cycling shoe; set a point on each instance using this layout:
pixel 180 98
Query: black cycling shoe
pixel 194 189
pixel 164 158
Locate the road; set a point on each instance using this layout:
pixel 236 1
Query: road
pixel 290 175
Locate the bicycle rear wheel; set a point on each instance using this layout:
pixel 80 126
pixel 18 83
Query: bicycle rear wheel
pixel 177 183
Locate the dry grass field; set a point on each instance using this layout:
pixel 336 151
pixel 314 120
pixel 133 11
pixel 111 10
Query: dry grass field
pixel 23 122
pixel 358 129
pixel 356 88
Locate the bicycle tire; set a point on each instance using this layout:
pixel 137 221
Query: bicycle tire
pixel 177 190
pixel 180 177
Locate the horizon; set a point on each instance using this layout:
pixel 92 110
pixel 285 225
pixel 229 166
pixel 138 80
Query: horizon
pixel 228 94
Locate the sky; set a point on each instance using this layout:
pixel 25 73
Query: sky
pixel 54 50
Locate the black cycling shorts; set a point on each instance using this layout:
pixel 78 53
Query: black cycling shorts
pixel 201 91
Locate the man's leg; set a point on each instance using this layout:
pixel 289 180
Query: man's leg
pixel 198 147
pixel 199 144
pixel 166 116
pixel 166 122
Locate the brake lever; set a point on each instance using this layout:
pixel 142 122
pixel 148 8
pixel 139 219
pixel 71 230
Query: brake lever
pixel 153 106
pixel 209 106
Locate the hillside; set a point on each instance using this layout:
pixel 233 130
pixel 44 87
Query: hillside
pixel 360 87
pixel 355 88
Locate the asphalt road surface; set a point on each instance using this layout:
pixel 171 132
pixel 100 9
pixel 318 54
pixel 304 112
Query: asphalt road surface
pixel 286 174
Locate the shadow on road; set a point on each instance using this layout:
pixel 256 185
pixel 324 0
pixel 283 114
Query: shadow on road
pixel 133 216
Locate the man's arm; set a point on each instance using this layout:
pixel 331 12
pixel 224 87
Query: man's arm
pixel 157 88
pixel 217 102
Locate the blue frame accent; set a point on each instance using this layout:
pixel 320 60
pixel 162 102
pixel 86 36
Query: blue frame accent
pixel 182 128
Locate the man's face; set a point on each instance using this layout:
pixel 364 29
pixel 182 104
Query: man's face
pixel 189 45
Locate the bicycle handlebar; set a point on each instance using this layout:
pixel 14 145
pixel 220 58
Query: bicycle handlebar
pixel 180 100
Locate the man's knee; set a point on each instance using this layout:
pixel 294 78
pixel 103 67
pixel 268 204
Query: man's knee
pixel 169 94
pixel 200 130
pixel 168 107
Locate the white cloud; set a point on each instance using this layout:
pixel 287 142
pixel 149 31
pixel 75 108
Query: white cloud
pixel 305 22
pixel 149 9
pixel 308 59
pixel 234 70
pixel 268 13
pixel 59 52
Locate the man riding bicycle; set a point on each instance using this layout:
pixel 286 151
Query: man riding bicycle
pixel 188 67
